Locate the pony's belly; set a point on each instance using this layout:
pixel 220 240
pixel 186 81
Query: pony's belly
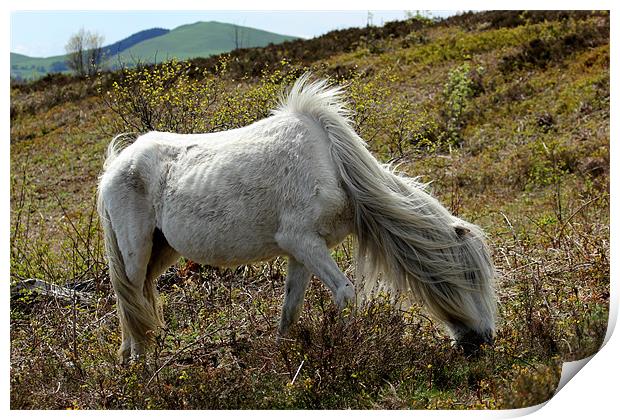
pixel 234 259
pixel 226 252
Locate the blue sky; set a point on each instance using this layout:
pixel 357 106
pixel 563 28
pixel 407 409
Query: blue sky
pixel 54 27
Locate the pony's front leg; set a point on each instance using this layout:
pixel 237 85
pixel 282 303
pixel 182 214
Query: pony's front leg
pixel 129 349
pixel 312 251
pixel 124 351
pixel 297 280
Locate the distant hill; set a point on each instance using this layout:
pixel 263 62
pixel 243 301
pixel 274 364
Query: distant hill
pixel 25 67
pixel 132 40
pixel 200 39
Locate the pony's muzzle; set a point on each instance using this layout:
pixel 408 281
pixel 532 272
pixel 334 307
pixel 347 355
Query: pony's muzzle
pixel 472 341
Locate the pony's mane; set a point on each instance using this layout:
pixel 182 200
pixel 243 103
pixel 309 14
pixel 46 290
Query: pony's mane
pixel 313 97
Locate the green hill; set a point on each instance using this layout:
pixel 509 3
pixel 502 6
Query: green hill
pixel 30 68
pixel 19 58
pixel 200 39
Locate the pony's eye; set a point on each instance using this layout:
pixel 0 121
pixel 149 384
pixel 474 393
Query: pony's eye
pixel 461 231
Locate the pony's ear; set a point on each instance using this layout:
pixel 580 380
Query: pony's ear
pixel 461 231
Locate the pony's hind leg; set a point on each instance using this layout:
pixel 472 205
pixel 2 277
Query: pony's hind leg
pixel 297 280
pixel 312 251
pixel 162 257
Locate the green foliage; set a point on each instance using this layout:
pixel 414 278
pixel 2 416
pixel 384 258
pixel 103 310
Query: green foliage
pixel 242 107
pixel 367 98
pixel 412 130
pixel 162 98
pixel 458 91
pixel 555 42
pixel 396 128
pixel 547 168
pixel 177 97
pixel 458 44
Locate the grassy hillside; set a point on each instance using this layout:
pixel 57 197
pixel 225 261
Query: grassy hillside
pixel 506 113
pixel 18 58
pixel 24 67
pixel 130 41
pixel 200 39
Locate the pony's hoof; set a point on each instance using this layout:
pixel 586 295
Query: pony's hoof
pixel 124 356
pixel 345 296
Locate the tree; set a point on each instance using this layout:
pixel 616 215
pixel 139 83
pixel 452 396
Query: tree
pixel 94 43
pixel 85 52
pixel 75 52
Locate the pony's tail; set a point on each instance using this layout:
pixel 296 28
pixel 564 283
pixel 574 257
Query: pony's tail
pixel 407 241
pixel 139 315
pixel 138 308
pixel 115 147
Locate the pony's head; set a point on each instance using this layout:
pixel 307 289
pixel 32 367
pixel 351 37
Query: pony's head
pixel 442 260
pixel 447 267
pixel 471 340
pixel 467 303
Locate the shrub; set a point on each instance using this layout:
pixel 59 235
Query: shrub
pixel 163 98
pixel 178 97
pixel 244 105
pixel 462 85
pixel 411 129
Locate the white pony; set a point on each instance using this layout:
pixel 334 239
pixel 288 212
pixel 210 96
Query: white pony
pixel 294 184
